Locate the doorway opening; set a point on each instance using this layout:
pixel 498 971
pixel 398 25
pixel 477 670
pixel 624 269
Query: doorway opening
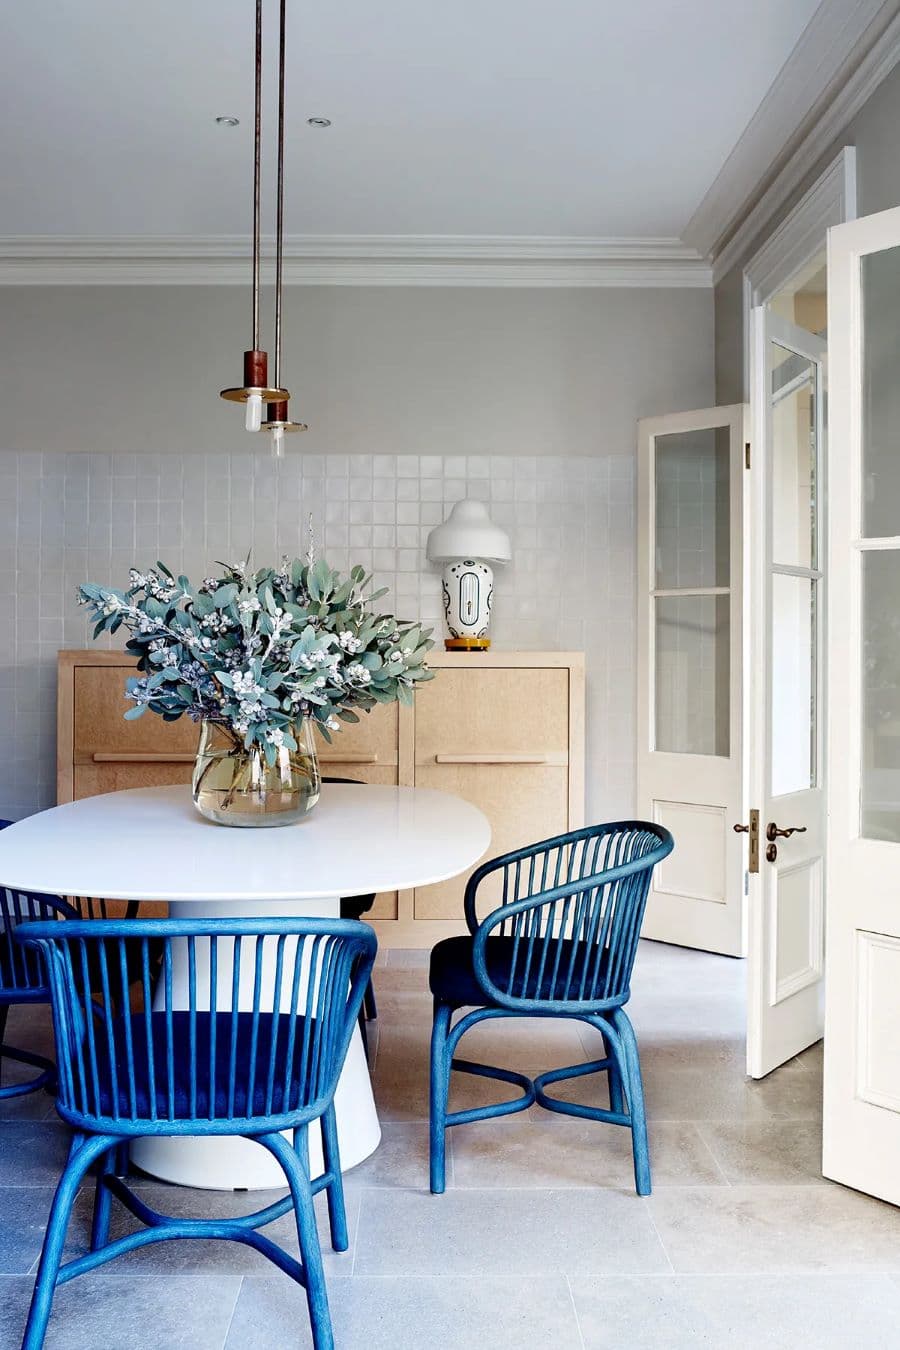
pixel 732 531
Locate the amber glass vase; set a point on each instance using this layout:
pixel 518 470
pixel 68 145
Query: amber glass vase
pixel 236 786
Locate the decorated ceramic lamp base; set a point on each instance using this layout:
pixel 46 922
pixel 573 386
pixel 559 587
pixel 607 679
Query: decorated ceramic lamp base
pixel 468 587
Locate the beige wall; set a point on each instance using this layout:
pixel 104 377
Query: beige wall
pixel 374 370
pixel 874 132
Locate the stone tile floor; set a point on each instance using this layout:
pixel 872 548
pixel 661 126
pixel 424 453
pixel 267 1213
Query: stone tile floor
pixel 539 1239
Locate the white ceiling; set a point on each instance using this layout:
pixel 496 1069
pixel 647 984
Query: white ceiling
pixel 501 117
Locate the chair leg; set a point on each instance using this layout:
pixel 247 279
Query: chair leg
pixel 635 1090
pixel 103 1199
pixel 613 1079
pixel 81 1155
pixel 369 1004
pixel 4 1013
pixel 296 1169
pixel 337 1213
pixel 440 1086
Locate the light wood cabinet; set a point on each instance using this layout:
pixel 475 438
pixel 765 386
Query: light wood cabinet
pixel 505 730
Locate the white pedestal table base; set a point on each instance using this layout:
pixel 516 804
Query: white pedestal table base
pixel 227 1163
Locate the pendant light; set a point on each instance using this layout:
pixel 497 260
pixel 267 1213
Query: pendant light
pixel 255 389
pixel 278 420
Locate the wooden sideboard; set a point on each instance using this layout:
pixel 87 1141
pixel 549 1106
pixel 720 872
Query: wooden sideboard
pixel 504 730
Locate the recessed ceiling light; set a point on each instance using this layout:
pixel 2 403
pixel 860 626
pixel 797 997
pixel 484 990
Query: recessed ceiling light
pixel 318 121
pixel 228 121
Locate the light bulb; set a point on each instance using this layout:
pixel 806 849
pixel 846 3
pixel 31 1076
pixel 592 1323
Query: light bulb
pixel 253 420
pixel 278 442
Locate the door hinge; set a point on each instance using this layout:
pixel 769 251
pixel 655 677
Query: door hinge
pixel 746 454
pixel 752 831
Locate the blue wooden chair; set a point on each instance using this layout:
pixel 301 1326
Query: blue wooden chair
pixel 559 941
pixel 22 978
pixel 197 1066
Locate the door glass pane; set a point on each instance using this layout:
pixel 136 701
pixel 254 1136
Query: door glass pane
pixel 794 602
pixel 880 778
pixel 793 393
pixel 880 283
pixel 692 509
pixel 692 674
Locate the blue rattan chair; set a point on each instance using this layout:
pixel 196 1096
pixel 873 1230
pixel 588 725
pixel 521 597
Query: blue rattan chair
pixel 164 1065
pixel 559 941
pixel 22 978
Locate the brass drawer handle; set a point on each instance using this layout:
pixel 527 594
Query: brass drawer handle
pixel 178 757
pixel 497 758
pixel 144 757
pixel 348 759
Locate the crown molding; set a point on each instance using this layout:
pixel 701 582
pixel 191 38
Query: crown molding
pixel 878 63
pixel 355 260
pixel 846 50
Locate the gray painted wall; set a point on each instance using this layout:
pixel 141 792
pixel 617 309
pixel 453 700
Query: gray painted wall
pixel 874 132
pixel 373 370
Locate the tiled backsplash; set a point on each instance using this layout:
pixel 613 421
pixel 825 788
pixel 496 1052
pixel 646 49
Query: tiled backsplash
pixel 74 517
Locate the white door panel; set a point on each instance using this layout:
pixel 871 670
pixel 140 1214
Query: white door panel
pixel 786 692
pixel 690 504
pixel 861 1136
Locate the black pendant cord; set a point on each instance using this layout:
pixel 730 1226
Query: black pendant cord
pixel 279 199
pixel 257 150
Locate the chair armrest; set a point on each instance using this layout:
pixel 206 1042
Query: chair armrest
pixel 532 935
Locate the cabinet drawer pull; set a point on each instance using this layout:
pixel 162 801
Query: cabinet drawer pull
pixel 142 757
pixel 176 757
pixel 348 758
pixel 498 757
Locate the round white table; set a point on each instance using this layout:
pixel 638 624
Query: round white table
pixel 152 844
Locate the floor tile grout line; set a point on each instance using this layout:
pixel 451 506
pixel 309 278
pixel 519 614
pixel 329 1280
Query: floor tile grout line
pixel 356 1234
pixel 708 1146
pixel 575 1310
pixel 237 1296
pixel 663 1247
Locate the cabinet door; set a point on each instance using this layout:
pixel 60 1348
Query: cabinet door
pixel 499 738
pixel 101 731
pixel 524 803
pixel 372 741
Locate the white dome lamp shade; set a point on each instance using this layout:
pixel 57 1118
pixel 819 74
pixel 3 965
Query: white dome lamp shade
pixel 467 543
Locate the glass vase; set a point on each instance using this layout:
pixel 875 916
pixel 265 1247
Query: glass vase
pixel 236 786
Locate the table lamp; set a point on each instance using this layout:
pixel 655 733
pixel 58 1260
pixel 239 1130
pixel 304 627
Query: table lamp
pixel 467 543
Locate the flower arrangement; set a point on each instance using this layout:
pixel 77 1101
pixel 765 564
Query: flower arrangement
pixel 259 652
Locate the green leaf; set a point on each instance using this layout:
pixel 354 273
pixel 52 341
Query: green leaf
pixel 225 595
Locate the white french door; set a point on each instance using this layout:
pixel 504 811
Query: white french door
pixel 786 879
pixel 862 1042
pixel 689 754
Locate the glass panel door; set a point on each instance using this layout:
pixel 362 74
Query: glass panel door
pixel 692 490
pixel 795 425
pixel 880 545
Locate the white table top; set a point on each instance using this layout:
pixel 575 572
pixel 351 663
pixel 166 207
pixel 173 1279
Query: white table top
pixel 153 844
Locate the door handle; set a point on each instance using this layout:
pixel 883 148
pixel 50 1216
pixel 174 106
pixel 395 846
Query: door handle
pixel 753 831
pixel 773 832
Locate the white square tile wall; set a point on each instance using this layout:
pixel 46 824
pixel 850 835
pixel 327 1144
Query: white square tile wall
pixel 67 518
